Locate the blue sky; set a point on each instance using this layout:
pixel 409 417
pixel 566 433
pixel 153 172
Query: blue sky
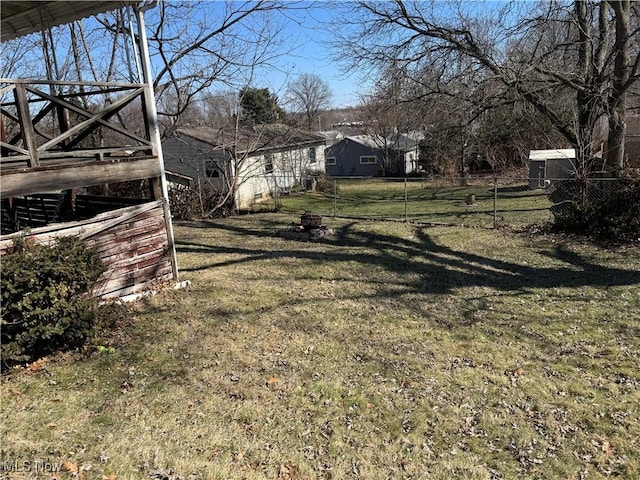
pixel 304 48
pixel 309 33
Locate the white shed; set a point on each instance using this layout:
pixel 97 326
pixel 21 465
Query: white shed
pixel 550 164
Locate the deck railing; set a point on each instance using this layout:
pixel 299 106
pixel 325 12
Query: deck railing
pixel 46 123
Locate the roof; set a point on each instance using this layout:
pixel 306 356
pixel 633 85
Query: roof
pixel 403 142
pixel 20 18
pixel 561 154
pixel 253 139
pixel 395 142
pixel 366 140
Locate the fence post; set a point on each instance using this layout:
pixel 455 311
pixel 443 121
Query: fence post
pixel 335 195
pixel 495 202
pixel 406 201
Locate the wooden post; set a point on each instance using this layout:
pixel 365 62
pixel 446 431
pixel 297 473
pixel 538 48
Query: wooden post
pixel 495 202
pixel 406 201
pixel 155 188
pixel 335 197
pixel 28 135
pixel 151 119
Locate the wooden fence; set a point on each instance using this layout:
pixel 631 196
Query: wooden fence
pixel 132 243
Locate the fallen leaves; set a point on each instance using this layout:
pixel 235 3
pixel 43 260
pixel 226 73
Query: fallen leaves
pixel 288 471
pixel 514 374
pixel 272 382
pixel 70 467
pixel 37 365
pixel 77 471
pixel 604 446
pixel 126 386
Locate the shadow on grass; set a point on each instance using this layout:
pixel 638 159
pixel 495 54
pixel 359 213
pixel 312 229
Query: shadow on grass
pixel 440 269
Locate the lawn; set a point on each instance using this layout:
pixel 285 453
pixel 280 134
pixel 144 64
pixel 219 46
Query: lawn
pixel 393 351
pixel 434 201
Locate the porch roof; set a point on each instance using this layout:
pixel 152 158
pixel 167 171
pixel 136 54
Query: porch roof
pixel 20 18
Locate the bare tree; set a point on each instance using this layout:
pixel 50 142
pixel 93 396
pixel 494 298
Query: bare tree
pixel 534 53
pixel 202 44
pixel 309 94
pixel 390 115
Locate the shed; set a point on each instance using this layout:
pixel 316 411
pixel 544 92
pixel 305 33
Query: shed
pixel 550 165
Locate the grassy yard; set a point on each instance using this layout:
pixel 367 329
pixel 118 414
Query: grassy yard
pixel 441 203
pixel 394 351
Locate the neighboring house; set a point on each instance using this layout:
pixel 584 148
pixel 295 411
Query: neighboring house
pixel 549 165
pixel 364 156
pixel 331 136
pixel 408 144
pixel 257 160
pixel 632 151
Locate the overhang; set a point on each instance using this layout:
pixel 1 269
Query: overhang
pixel 559 154
pixel 20 18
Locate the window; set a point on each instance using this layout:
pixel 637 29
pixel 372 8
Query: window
pixel 330 161
pixel 268 163
pixel 312 154
pixel 368 159
pixel 211 169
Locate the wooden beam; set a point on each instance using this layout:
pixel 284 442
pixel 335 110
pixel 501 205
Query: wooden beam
pixel 64 83
pixel 13 148
pixel 27 181
pixel 151 122
pixel 100 118
pixel 22 104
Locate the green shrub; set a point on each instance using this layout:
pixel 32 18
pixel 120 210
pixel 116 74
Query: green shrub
pixel 602 210
pixel 45 303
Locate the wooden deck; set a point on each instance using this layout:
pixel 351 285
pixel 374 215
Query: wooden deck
pixel 58 138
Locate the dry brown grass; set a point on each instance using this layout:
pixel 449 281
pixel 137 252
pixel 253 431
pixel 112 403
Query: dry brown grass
pixel 395 351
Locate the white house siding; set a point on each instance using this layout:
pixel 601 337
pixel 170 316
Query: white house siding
pixel 411 162
pixel 289 167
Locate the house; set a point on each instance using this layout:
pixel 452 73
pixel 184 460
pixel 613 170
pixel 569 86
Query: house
pixel 632 141
pixel 366 156
pixel 408 145
pixel 50 155
pixel 253 161
pixel 549 165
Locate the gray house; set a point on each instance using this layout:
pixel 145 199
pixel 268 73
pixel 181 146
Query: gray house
pixel 364 156
pixel 253 161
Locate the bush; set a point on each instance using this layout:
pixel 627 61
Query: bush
pixel 45 302
pixel 184 203
pixel 192 203
pixel 323 183
pixel 604 210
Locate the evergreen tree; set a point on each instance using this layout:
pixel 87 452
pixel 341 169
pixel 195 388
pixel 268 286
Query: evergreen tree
pixel 260 106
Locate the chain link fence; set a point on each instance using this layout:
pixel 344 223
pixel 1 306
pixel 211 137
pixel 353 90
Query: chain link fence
pixel 485 202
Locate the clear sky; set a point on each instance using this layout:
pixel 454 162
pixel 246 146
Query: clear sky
pixel 306 30
pixel 308 33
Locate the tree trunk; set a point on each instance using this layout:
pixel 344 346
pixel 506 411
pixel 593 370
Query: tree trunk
pixel 618 98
